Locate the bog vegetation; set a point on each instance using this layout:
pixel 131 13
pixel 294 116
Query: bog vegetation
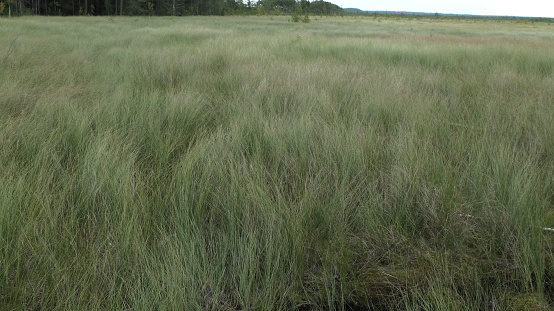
pixel 251 163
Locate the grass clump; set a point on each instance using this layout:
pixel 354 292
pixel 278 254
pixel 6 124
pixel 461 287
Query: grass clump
pixel 341 164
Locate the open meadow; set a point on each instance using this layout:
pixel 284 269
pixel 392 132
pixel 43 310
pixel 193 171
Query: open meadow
pixel 253 163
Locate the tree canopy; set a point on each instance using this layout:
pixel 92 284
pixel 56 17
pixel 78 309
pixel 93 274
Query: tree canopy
pixel 167 7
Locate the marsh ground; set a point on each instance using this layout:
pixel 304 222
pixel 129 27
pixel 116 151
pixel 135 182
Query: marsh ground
pixel 225 163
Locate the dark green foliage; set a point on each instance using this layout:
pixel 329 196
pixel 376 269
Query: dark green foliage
pixel 283 6
pixel 170 7
pixel 321 7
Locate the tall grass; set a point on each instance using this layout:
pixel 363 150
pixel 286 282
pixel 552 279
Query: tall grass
pixel 256 164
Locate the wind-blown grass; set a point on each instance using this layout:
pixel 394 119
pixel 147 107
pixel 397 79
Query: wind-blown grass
pixel 256 164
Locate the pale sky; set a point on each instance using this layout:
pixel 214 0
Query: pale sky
pixel 535 8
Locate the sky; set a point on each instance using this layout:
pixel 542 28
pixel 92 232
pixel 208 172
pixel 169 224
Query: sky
pixel 534 8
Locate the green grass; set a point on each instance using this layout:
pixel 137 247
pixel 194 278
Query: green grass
pixel 251 163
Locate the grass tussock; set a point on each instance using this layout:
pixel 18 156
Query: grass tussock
pixel 253 164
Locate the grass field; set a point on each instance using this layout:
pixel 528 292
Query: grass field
pixel 251 163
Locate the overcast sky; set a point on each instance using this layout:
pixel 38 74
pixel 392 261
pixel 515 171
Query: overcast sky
pixel 535 8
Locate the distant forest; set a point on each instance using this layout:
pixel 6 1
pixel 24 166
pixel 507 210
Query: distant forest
pixel 166 7
pixel 411 15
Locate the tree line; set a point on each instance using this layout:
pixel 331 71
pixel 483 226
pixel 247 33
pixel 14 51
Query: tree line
pixel 166 7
